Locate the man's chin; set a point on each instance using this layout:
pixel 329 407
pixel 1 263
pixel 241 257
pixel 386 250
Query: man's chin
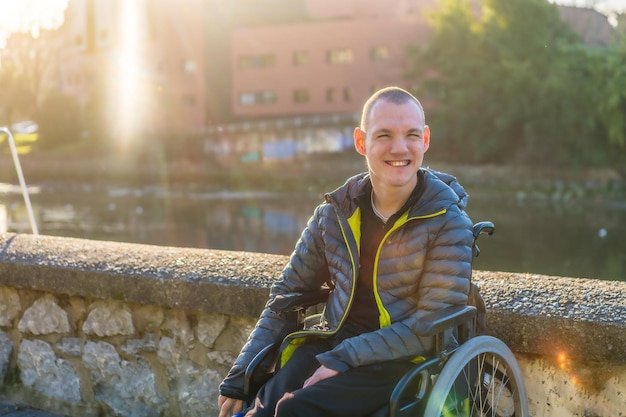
pixel 404 181
pixel 395 177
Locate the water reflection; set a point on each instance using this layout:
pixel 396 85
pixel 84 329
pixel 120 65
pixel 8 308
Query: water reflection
pixel 554 239
pixel 536 237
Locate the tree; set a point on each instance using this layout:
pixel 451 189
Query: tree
pixel 59 119
pixel 28 70
pixel 611 110
pixel 502 74
pixel 17 101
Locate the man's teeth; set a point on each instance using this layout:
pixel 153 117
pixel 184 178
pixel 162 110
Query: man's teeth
pixel 398 163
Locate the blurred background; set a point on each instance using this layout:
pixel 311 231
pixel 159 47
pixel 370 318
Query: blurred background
pixel 221 124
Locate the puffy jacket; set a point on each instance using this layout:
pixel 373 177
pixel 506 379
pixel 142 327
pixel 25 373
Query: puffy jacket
pixel 423 264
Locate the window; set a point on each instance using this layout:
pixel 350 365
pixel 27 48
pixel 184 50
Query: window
pixel 331 95
pixel 268 97
pixel 247 98
pixel 379 53
pixel 340 56
pixel 189 100
pixel 189 65
pixel 347 94
pixel 256 61
pixel 301 96
pixel 300 58
pixel 257 97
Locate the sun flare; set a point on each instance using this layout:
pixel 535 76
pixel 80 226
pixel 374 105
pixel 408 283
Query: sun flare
pixel 29 15
pixel 129 101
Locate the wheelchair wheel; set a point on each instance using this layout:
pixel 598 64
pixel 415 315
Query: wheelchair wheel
pixel 481 378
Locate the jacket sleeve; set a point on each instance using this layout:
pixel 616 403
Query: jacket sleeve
pixel 305 271
pixel 444 282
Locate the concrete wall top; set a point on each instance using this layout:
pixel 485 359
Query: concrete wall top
pixel 220 281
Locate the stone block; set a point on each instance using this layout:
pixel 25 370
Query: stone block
pixel 109 318
pixel 41 369
pixel 44 317
pixel 6 349
pixel 10 306
pixel 128 388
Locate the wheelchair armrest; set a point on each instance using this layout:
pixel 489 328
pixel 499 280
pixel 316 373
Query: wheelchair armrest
pixel 298 301
pixel 478 229
pixel 442 320
pixel 409 392
pixel 483 227
pixel 252 379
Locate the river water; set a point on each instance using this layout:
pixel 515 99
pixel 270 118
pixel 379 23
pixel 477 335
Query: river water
pixel 543 237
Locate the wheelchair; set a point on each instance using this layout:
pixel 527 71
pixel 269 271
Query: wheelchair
pixel 476 376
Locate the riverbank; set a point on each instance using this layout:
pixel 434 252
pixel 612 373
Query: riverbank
pixel 316 173
pixel 44 167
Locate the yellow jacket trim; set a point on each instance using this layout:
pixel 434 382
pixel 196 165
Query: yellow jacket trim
pixel 355 225
pixel 287 352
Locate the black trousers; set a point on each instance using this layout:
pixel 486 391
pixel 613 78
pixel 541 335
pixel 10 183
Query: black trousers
pixel 357 392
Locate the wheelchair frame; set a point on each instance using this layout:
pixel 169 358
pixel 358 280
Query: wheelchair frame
pixel 478 377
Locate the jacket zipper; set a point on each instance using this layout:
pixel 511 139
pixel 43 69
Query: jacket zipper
pixel 384 318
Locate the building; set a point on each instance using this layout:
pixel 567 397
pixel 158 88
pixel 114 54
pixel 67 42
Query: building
pixel 321 67
pixel 327 65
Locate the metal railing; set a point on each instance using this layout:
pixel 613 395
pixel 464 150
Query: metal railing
pixel 20 175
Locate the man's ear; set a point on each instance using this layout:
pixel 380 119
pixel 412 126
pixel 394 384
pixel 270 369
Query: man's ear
pixel 359 141
pixel 426 137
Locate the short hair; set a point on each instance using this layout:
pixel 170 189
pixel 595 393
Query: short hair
pixel 394 95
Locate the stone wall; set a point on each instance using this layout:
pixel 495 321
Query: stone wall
pixel 91 328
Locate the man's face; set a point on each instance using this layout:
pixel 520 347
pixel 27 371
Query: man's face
pixel 394 144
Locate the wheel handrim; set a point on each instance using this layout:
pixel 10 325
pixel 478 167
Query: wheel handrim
pixel 485 382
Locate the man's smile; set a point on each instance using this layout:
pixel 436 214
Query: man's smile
pixel 399 163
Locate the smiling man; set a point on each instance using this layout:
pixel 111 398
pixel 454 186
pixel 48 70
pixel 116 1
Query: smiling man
pixel 393 244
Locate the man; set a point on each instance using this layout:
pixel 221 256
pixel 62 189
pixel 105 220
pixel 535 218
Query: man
pixel 393 244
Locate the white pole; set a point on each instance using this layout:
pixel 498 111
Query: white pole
pixel 20 175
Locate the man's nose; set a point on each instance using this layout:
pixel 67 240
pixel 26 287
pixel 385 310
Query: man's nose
pixel 399 145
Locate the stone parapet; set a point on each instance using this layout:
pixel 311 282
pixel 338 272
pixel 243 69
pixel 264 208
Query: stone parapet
pixel 91 328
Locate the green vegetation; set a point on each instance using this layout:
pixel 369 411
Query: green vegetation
pixel 514 84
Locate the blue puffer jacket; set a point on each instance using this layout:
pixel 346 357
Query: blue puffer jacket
pixel 423 264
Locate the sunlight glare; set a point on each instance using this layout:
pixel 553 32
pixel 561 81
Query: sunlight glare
pixel 129 106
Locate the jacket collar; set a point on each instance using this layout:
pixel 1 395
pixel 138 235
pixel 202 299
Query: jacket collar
pixel 440 191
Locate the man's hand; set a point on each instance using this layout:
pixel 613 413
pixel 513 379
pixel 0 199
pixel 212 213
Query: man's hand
pixel 320 374
pixel 229 406
pixel 286 396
